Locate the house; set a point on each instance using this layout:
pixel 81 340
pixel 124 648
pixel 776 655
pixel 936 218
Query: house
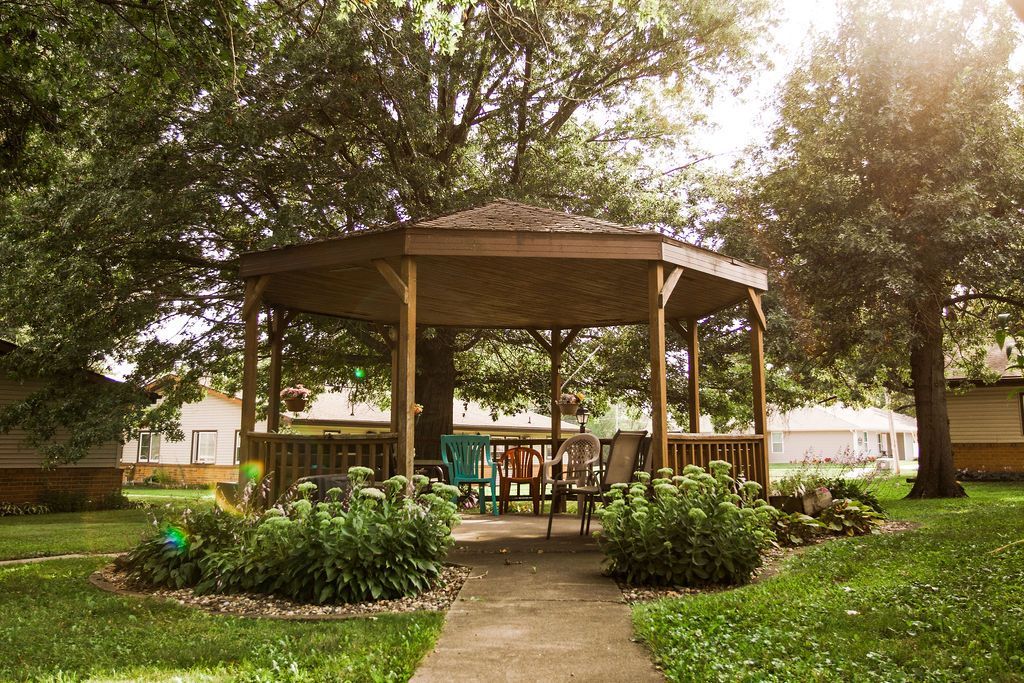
pixel 208 453
pixel 986 420
pixel 22 477
pixel 337 412
pixel 838 431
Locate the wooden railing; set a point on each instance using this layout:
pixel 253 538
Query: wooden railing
pixel 289 457
pixel 745 453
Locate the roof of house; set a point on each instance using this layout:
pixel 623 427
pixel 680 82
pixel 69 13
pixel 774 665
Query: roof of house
pixel 839 418
pixel 996 361
pixel 7 347
pixel 338 407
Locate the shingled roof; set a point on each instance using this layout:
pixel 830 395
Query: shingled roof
pixel 503 214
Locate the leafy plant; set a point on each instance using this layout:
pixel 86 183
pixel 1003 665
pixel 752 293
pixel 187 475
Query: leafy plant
pixel 376 543
pixel 854 489
pixel 19 509
pixel 850 518
pixel 693 529
pixel 796 529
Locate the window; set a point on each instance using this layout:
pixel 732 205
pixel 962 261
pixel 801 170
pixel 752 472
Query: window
pixel 777 445
pixel 238 445
pixel 204 448
pixel 881 444
pixel 862 442
pixel 149 447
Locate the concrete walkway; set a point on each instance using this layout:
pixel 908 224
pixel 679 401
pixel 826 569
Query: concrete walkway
pixel 534 610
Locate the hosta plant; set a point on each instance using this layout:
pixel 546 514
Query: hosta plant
pixel 850 518
pixel 377 543
pixel 693 529
pixel 797 529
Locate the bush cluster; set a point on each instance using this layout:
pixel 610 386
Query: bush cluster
pixel 20 509
pixel 374 544
pixel 693 529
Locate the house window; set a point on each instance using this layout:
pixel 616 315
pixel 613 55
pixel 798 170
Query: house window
pixel 204 447
pixel 881 444
pixel 149 447
pixel 777 444
pixel 238 445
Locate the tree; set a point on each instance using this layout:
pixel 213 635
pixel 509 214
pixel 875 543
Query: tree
pixel 260 124
pixel 891 207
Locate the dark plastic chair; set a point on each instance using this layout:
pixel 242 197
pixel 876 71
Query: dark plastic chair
pixel 468 458
pixel 520 465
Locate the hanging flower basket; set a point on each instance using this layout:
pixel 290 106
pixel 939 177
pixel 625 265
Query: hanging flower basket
pixel 568 404
pixel 295 397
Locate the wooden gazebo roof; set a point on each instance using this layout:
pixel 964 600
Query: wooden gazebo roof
pixel 503 265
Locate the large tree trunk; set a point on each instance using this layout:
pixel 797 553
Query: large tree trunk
pixel 435 391
pixel 936 477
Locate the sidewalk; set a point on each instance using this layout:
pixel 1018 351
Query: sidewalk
pixel 534 610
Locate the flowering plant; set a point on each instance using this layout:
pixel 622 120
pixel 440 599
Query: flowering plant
pixel 571 398
pixel 298 391
pixel 417 408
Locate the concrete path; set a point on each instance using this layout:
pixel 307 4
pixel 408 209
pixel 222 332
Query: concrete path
pixel 46 558
pixel 534 610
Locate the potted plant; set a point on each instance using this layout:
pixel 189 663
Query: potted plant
pixel 295 397
pixel 568 404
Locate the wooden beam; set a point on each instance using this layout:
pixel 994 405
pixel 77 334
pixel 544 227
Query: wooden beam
pixel 278 324
pixel 570 337
pixel 395 372
pixel 757 364
pixel 671 280
pixel 396 281
pixel 693 352
pixel 407 370
pixel 249 369
pixel 253 294
pixel 678 327
pixel 544 343
pixel 659 399
pixel 754 297
pixel 556 388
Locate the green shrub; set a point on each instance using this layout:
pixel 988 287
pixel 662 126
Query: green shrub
pixel 854 489
pixel 849 518
pixel 694 529
pixel 19 509
pixel 796 529
pixel 377 543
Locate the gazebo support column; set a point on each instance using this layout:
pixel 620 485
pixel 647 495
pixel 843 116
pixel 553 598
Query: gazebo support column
pixel 393 344
pixel 693 352
pixel 656 323
pixel 278 324
pixel 406 369
pixel 251 317
pixel 758 323
pixel 555 351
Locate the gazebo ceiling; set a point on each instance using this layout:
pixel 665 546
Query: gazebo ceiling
pixel 502 265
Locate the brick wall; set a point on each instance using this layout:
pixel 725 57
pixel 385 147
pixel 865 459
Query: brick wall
pixel 186 474
pixel 27 484
pixel 989 457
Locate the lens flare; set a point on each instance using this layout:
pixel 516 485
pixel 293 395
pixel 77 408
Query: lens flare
pixel 175 537
pixel 251 471
pixel 360 373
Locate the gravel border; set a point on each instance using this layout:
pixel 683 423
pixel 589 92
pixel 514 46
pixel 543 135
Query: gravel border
pixel 772 565
pixel 438 599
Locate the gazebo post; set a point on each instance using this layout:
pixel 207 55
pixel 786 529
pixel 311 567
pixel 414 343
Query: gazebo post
pixel 758 323
pixel 407 369
pixel 659 399
pixel 251 316
pixel 393 344
pixel 693 352
pixel 278 323
pixel 555 351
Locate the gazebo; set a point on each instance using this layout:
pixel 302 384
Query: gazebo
pixel 504 265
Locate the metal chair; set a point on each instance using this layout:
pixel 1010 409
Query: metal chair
pixel 520 465
pixel 580 453
pixel 623 461
pixel 468 458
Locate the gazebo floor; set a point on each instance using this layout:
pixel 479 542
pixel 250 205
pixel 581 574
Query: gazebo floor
pixel 520 533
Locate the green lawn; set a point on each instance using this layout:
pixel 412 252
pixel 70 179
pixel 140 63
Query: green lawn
pixel 90 532
pixel 939 603
pixel 55 626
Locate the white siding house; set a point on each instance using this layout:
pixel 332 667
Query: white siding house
pixel 834 431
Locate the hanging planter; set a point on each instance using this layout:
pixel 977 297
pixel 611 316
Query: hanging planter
pixel 295 398
pixel 417 411
pixel 568 404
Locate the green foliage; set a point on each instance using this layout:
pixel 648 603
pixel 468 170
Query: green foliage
pixel 17 510
pixel 857 490
pixel 797 529
pixel 694 529
pixel 378 543
pixel 59 500
pixel 931 604
pixel 849 518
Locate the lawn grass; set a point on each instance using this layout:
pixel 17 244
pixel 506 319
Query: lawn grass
pixel 99 531
pixel 55 626
pixel 944 602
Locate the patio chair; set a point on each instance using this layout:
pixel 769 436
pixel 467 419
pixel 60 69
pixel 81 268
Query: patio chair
pixel 467 458
pixel 623 461
pixel 580 452
pixel 520 465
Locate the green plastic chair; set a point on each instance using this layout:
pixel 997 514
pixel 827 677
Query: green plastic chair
pixel 466 458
